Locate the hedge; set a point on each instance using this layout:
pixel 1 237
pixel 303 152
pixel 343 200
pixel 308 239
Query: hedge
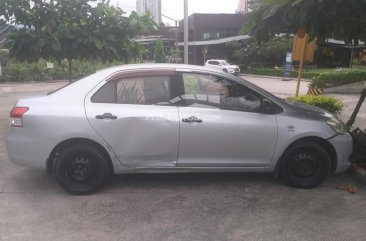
pixel 338 77
pixel 38 72
pixel 331 104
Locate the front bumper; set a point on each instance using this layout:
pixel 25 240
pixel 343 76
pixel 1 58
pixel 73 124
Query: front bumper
pixel 233 71
pixel 344 146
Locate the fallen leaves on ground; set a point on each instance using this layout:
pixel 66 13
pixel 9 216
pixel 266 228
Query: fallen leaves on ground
pixel 347 187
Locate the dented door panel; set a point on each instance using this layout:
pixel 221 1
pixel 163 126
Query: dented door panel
pixel 141 136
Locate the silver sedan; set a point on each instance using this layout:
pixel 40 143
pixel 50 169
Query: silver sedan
pixel 173 118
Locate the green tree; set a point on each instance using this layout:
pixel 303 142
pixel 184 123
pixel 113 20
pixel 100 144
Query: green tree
pixel 70 29
pixel 272 52
pixel 342 19
pixel 159 53
pixel 142 24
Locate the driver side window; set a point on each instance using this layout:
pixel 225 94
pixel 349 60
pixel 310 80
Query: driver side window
pixel 208 91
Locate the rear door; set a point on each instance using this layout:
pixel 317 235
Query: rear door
pixel 222 124
pixel 132 113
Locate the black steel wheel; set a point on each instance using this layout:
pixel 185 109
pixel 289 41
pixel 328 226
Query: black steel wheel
pixel 81 169
pixel 305 165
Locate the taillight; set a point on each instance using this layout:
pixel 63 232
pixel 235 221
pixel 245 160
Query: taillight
pixel 16 115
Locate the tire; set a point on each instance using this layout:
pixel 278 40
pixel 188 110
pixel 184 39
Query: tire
pixel 225 70
pixel 305 165
pixel 81 169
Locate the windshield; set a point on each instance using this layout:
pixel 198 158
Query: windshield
pixel 225 63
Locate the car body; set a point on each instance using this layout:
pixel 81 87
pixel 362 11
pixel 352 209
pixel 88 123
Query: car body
pixel 173 118
pixel 223 65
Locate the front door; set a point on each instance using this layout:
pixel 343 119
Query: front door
pixel 222 124
pixel 133 115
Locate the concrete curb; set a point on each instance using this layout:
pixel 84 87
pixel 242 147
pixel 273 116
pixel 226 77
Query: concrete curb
pixel 354 88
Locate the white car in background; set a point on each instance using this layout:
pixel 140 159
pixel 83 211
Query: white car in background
pixel 224 65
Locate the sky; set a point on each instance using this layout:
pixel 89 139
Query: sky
pixel 174 8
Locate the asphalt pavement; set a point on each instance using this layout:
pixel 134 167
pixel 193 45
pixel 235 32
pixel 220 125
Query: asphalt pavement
pixel 172 206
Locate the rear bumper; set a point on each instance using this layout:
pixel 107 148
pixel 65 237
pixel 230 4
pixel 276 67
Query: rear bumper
pixel 25 150
pixel 344 147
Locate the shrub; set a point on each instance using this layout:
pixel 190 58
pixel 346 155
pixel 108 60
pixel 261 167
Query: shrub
pixel 23 72
pixel 159 51
pixel 339 77
pixel 38 72
pixel 331 104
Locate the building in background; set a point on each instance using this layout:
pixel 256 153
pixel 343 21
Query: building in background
pixel 154 6
pixel 209 35
pixel 242 6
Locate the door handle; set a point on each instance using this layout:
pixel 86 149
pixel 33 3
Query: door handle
pixel 106 116
pixel 192 119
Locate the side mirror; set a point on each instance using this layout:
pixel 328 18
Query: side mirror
pixel 268 107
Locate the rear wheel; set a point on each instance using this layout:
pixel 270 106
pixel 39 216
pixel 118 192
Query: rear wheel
pixel 305 165
pixel 81 169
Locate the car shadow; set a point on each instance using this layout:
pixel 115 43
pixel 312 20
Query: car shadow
pixel 190 180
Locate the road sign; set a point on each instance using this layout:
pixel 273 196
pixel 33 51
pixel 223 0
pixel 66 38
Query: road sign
pixel 298 48
pixel 288 64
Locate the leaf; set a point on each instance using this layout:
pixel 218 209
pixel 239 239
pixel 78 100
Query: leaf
pixel 271 12
pixel 98 43
pixel 297 2
pixel 100 10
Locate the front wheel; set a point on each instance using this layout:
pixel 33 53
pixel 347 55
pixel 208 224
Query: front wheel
pixel 305 165
pixel 81 169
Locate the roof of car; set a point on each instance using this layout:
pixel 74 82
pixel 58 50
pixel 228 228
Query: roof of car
pixel 156 66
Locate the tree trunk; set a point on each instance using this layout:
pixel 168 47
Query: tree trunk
pixel 352 119
pixel 70 70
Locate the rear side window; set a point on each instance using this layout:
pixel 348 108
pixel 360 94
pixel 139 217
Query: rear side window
pixel 154 90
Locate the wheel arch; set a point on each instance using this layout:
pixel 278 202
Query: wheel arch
pixel 328 147
pixel 72 141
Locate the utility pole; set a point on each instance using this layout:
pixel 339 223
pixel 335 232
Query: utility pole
pixel 186 31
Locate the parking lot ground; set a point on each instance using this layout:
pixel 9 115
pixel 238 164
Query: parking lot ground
pixel 171 206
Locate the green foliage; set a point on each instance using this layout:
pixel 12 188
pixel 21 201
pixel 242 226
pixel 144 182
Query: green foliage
pixel 159 53
pixel 338 77
pixel 342 19
pixel 64 29
pixel 272 52
pixel 22 72
pixel 142 24
pixel 331 104
pixel 37 71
